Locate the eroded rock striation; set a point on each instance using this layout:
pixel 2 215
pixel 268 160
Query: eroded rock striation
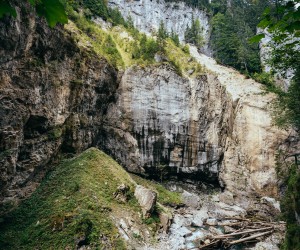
pixel 164 123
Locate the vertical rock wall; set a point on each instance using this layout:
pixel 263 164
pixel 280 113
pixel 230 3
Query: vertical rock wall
pixel 53 97
pixel 162 119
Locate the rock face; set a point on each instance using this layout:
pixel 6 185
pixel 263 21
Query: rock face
pixel 162 122
pixel 147 15
pixel 217 127
pixel 53 97
pixel 249 157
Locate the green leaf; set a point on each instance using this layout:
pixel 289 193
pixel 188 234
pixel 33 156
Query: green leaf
pixel 257 38
pixel 6 8
pixel 267 11
pixel 264 23
pixel 53 11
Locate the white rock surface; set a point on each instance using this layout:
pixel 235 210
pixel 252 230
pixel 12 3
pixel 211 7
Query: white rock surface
pixel 249 158
pixel 147 15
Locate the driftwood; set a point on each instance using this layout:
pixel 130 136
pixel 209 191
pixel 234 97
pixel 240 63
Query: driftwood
pixel 242 233
pixel 247 231
pixel 249 238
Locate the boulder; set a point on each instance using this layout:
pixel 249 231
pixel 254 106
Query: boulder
pixel 121 193
pixel 146 198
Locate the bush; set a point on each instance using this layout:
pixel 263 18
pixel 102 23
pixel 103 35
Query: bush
pixel 186 49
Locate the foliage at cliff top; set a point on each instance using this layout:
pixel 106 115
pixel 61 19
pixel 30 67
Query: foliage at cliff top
pixel 52 10
pixel 124 46
pixel 74 202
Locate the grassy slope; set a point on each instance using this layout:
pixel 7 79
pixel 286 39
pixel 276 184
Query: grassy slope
pixel 74 200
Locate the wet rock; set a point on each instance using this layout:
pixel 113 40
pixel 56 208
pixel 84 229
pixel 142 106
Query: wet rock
pixel 197 235
pixel 181 221
pixel 146 199
pixel 183 231
pixel 153 105
pixel 199 217
pixel 211 222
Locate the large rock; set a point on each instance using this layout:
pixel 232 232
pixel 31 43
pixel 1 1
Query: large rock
pixel 146 198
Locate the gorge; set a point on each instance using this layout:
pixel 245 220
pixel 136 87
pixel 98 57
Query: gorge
pixel 196 124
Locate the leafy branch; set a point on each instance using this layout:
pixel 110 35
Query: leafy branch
pixel 52 10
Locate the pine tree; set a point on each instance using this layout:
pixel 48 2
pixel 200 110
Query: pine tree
pixel 175 38
pixel 162 35
pixel 193 34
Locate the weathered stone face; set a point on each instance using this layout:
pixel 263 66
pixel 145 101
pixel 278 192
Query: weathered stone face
pixel 176 16
pixel 53 98
pixel 162 120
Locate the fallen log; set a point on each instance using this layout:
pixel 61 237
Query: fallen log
pixel 249 238
pixel 242 232
pixel 237 218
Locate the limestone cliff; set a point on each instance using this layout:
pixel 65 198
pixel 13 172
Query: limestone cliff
pixel 163 120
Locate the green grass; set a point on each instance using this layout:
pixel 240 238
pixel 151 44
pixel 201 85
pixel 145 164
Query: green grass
pixel 74 200
pixel 165 197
